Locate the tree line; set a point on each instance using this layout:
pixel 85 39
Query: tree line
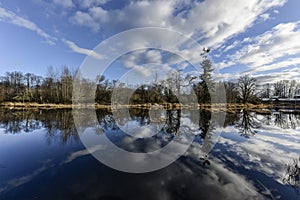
pixel 57 87
pixel 282 89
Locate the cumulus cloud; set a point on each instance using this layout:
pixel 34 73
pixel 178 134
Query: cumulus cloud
pixel 135 14
pixel 12 18
pixel 141 58
pixel 208 24
pixel 204 21
pixel 216 24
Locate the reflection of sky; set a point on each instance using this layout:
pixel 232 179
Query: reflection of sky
pixel 266 153
pixel 23 155
pixel 240 168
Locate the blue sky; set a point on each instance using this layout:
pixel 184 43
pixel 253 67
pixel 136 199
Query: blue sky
pixel 260 37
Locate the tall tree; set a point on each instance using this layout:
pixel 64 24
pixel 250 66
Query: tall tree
pixel 206 84
pixel 246 88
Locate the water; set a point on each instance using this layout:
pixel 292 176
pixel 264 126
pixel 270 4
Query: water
pixel 255 157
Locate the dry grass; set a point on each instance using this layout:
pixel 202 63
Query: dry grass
pixel 228 108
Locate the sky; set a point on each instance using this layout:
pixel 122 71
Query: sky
pixel 257 37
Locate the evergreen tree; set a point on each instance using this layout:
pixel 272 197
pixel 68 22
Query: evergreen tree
pixel 206 83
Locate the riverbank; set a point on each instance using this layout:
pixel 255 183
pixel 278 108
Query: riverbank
pixel 28 105
pixel 230 108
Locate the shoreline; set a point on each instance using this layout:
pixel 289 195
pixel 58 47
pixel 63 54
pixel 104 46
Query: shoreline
pixel 230 108
pixel 145 105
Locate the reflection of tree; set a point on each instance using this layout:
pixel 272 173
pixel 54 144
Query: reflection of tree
pixel 106 120
pixel 231 119
pixel 282 120
pixel 17 121
pixel 292 176
pixel 172 123
pixel 204 122
pixel 205 130
pixel 207 127
pixel 58 123
pixel 140 115
pixel 286 121
pixel 247 124
pixel 279 121
pixel 267 120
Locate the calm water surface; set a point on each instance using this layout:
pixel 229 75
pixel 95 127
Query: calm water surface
pixel 255 157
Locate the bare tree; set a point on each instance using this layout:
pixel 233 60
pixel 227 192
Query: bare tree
pixel 246 88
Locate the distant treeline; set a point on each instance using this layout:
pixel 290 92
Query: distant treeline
pixel 57 87
pixel 281 89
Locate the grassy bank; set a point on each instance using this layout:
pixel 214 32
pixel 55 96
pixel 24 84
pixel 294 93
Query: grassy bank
pixel 230 108
pixel 28 105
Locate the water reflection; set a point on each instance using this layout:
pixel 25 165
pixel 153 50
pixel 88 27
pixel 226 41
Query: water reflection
pixel 238 167
pixel 15 122
pixel 292 176
pixel 172 122
pixel 286 121
pixel 247 124
pixel 60 125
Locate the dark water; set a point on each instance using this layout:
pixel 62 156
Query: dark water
pixel 255 157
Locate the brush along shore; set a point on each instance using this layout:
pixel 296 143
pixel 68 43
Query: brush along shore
pixel 221 107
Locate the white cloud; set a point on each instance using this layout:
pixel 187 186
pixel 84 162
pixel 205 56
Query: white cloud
pixel 12 18
pixel 154 56
pixel 265 16
pixel 84 19
pixel 217 24
pixel 231 46
pixel 64 3
pixel 135 14
pixel 81 3
pixel 274 49
pixel 141 57
pixel 278 65
pixel 80 50
pixel 149 62
pixel 90 3
pixel 204 21
pixel 282 40
pixel 288 74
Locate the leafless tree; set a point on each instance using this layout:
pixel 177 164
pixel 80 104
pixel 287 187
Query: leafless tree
pixel 246 88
